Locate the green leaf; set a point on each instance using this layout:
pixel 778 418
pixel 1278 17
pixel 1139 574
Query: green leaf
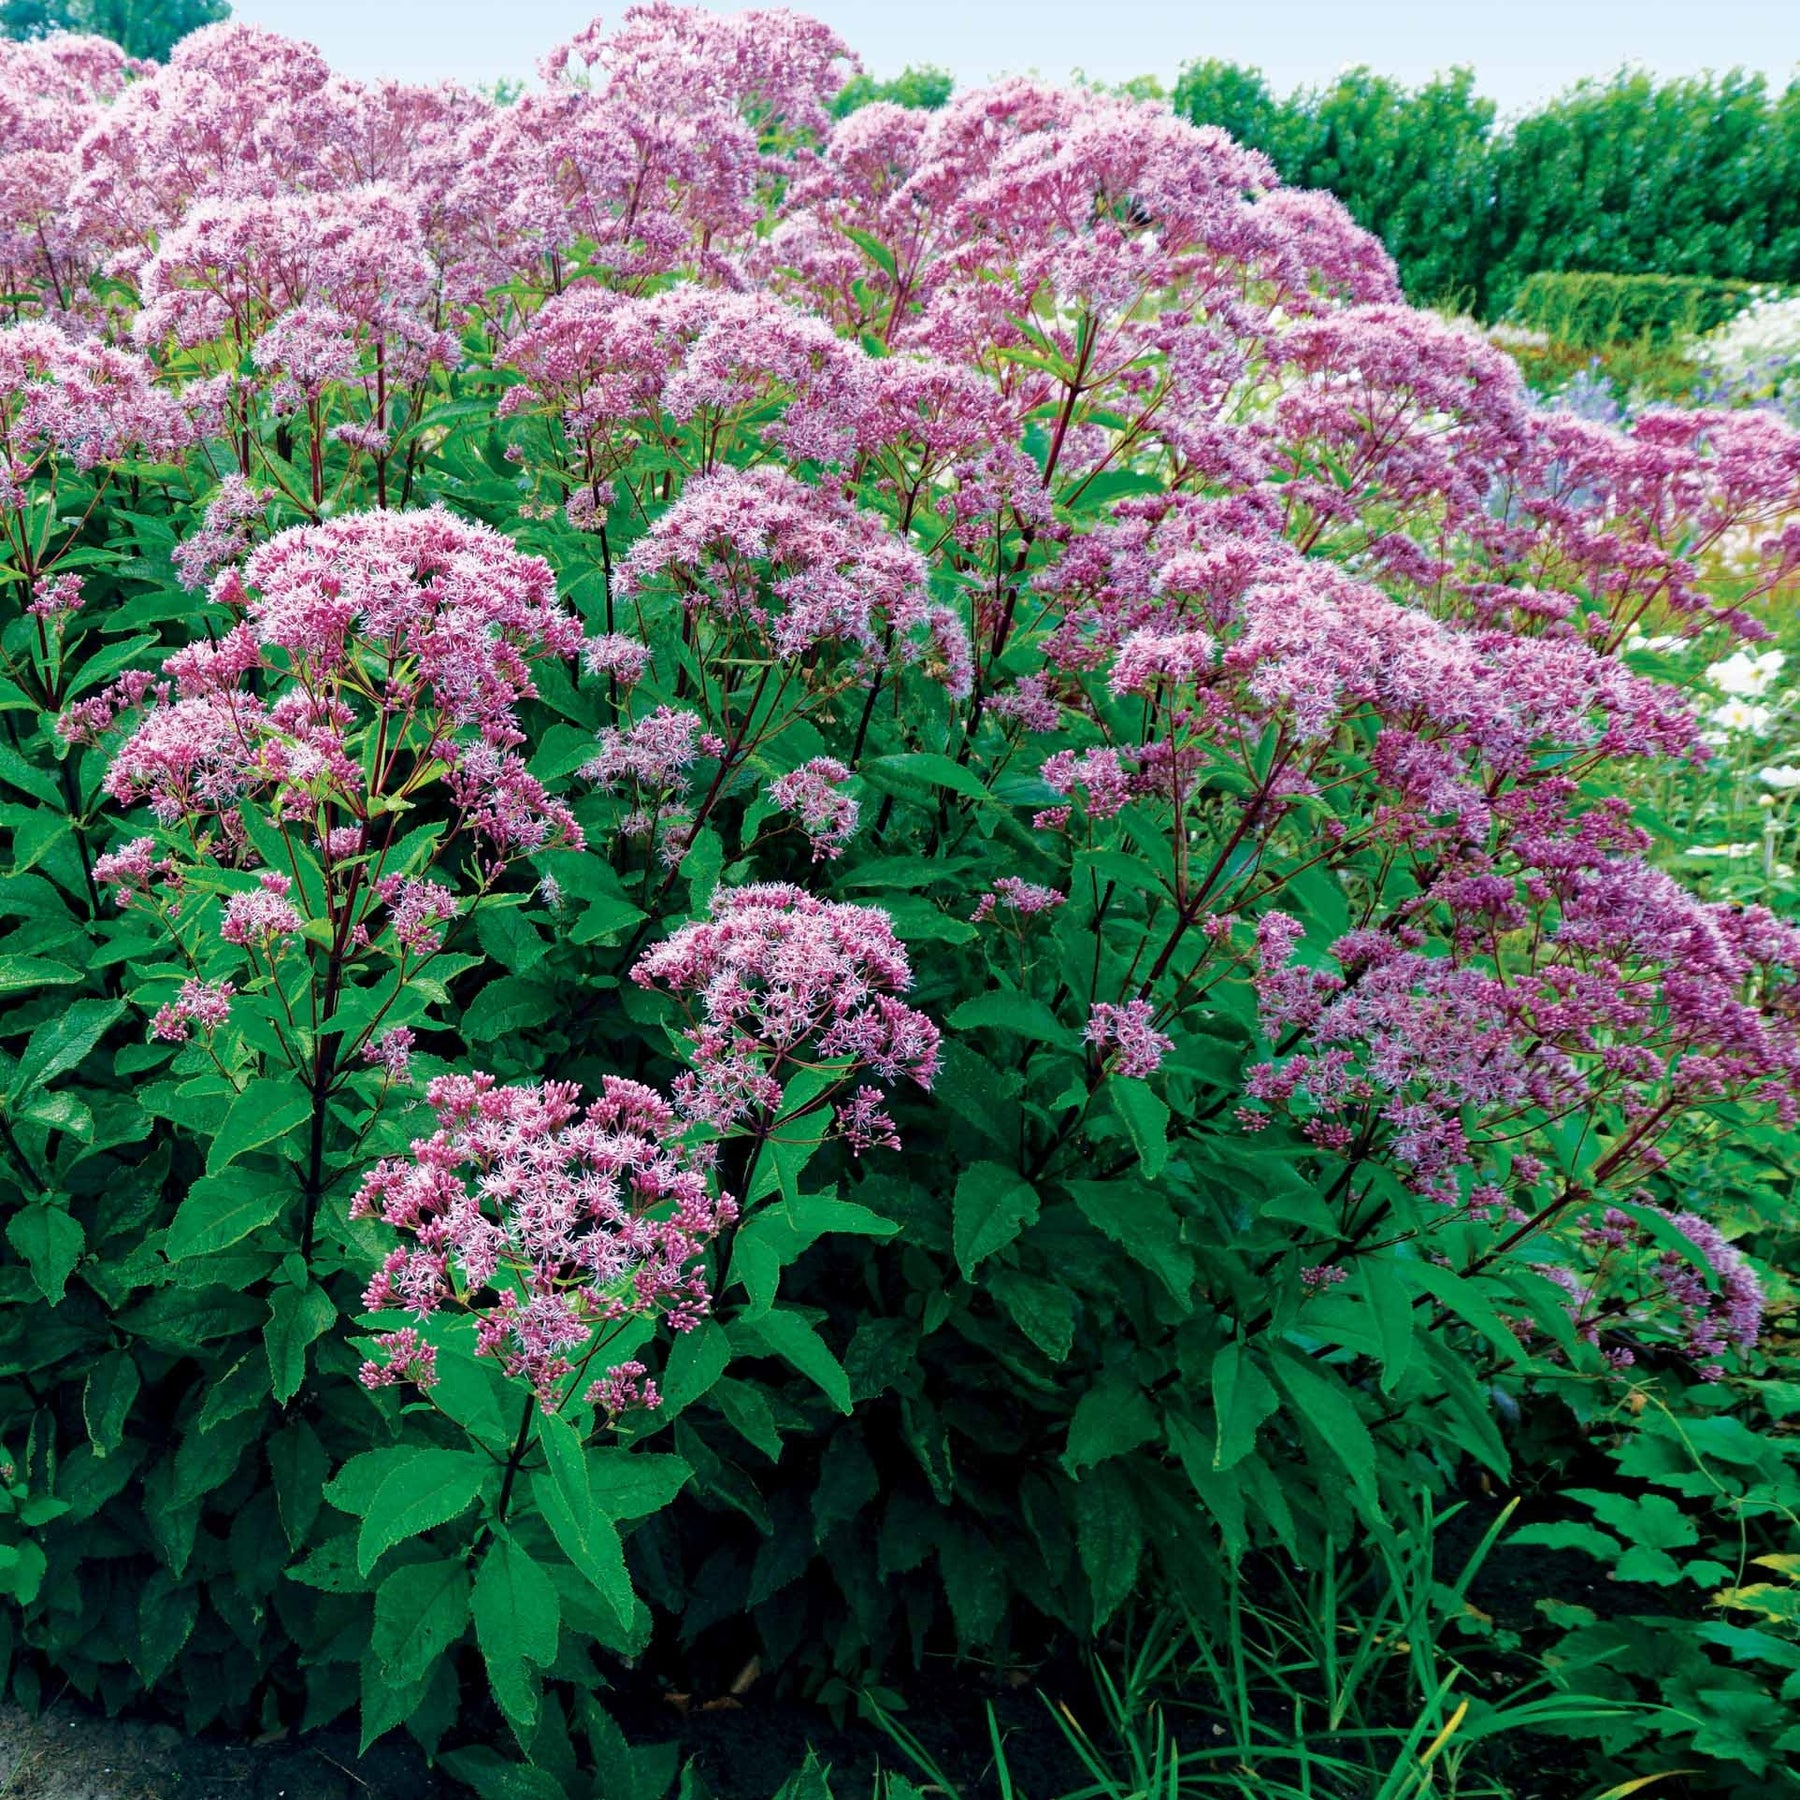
pixel 993 1204
pixel 510 1004
pixel 1019 1014
pixel 1320 1398
pixel 1043 1310
pixel 1111 1419
pixel 631 1484
pixel 1396 1317
pixel 297 1317
pixel 1568 1534
pixel 60 1043
pixel 517 1623
pixel 263 1112
pixel 1109 1537
pixel 1643 1562
pixel 928 767
pixel 222 1210
pixel 29 779
pixel 1146 1121
pixel 604 918
pixel 489 1777
pixel 112 1386
pixel 748 1413
pixel 51 1243
pixel 590 1541
pixel 1465 1298
pixel 1221 1491
pixel 697 1359
pixel 429 1487
pixel 787 1333
pixel 1242 1398
pixel 420 1611
pixel 1654 1520
pixel 20 974
pixel 1143 1224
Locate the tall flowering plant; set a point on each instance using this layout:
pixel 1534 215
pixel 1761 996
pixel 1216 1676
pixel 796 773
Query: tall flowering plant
pixel 815 887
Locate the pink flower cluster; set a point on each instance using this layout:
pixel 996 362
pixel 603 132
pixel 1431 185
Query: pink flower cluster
pixel 554 1219
pixel 761 558
pixel 411 635
pixel 203 1003
pixel 777 981
pixel 1127 1038
pixel 814 792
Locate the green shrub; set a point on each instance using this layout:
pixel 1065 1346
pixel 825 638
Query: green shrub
pixel 1593 311
pixel 924 85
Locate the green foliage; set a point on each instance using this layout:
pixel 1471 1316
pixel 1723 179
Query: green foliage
pixel 1056 1368
pixel 1603 312
pixel 1690 177
pixel 918 84
pixel 143 28
pixel 1413 166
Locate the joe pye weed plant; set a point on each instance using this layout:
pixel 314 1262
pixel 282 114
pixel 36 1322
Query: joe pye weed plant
pixel 803 889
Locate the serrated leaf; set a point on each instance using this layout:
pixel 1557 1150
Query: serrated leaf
pixel 1109 1537
pixel 112 1385
pixel 1146 1121
pixel 790 1335
pixel 20 974
pixel 428 1488
pixel 1142 1223
pixel 263 1112
pixel 510 1004
pixel 517 1623
pixel 60 1043
pixel 297 1318
pixel 221 1210
pixel 632 1484
pixel 1320 1398
pixel 420 1611
pixel 696 1360
pixel 1019 1014
pixel 1396 1318
pixel 1043 1310
pixel 992 1205
pixel 51 1242
pixel 1459 1295
pixel 590 1541
pixel 1243 1398
pixel 1110 1419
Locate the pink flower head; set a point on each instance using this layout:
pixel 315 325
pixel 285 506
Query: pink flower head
pixel 414 630
pixel 623 658
pixel 827 814
pixel 760 557
pixel 1022 898
pixel 776 977
pixel 392 1051
pixel 548 1216
pixel 55 596
pixel 257 918
pixel 203 1003
pixel 1126 1035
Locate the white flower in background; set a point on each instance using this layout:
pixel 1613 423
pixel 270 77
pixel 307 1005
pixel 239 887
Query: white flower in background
pixel 1739 716
pixel 1744 676
pixel 1733 850
pixel 1515 337
pixel 1783 777
pixel 1659 646
pixel 1755 347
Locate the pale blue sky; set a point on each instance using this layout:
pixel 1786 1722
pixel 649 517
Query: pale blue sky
pixel 1522 50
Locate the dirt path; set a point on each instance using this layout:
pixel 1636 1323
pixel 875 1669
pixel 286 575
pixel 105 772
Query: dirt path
pixel 70 1753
